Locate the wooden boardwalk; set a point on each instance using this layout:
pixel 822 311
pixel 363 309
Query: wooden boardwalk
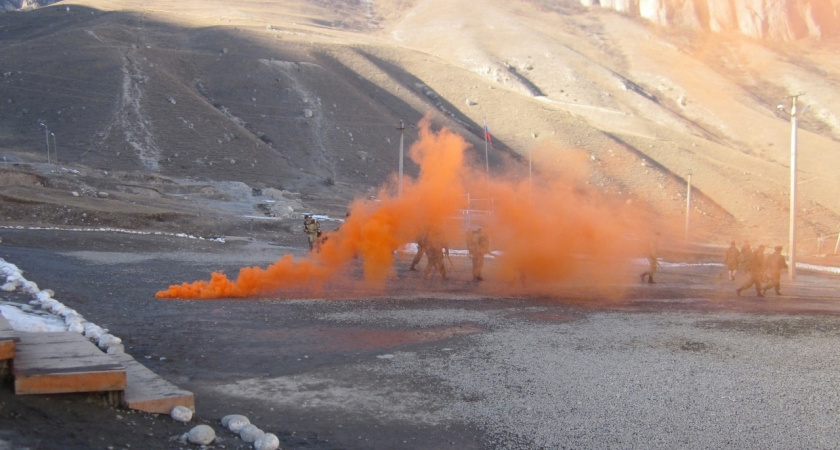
pixel 8 340
pixel 63 362
pixel 67 362
pixel 146 391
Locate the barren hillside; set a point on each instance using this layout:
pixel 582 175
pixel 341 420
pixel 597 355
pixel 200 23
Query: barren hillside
pixel 304 97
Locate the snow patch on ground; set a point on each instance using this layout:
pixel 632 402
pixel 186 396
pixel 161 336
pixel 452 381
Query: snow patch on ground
pixel 54 316
pixel 117 230
pixel 30 321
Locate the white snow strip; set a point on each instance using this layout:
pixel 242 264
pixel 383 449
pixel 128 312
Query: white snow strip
pixel 118 230
pixel 56 317
pixel 23 321
pixel 813 267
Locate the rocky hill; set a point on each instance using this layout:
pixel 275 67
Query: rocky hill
pixel 305 97
pixel 763 19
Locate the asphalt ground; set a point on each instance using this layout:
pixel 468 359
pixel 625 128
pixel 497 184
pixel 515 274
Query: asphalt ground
pixel 439 364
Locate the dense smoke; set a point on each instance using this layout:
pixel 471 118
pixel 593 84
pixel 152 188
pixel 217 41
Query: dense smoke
pixel 542 232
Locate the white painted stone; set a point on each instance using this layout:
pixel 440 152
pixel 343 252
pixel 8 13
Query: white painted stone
pixel 201 435
pixel 250 433
pixel 267 441
pixel 235 422
pixel 181 414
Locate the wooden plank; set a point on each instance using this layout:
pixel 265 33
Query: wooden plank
pixel 56 337
pixel 63 362
pixel 8 339
pixel 146 391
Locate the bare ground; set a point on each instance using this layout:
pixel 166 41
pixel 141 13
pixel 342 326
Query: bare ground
pixel 300 366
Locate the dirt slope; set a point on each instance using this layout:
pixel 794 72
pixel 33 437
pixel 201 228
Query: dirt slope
pixel 305 97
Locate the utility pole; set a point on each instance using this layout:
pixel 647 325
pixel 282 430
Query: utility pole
pixel 486 153
pixel 794 114
pixel 401 127
pixel 47 138
pixel 687 205
pixel 837 244
pixel 530 176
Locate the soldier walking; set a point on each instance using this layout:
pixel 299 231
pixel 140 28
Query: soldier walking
pixel 312 229
pixel 653 249
pixel 421 250
pixel 436 249
pixel 775 265
pixel 732 259
pixel 756 272
pixel 477 246
pixel 746 257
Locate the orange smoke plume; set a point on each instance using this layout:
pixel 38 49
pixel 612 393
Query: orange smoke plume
pixel 372 231
pixel 541 232
pixel 562 228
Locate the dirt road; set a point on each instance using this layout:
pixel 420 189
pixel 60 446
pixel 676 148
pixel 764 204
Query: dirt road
pixel 432 364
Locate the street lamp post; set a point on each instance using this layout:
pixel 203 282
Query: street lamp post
pixel 55 148
pixel 530 176
pixel 401 127
pixel 486 155
pixel 687 204
pixel 47 138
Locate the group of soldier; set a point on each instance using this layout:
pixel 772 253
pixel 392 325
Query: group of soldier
pixel 765 272
pixel 431 243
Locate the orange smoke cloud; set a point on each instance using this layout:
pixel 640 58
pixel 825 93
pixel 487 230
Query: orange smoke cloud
pixel 559 229
pixel 544 232
pixel 372 232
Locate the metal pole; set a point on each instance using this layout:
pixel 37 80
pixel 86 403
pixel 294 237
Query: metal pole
pixel 402 135
pixel 837 244
pixel 469 211
pixel 55 147
pixel 530 176
pixel 687 205
pixel 486 154
pixel 792 237
pixel 47 138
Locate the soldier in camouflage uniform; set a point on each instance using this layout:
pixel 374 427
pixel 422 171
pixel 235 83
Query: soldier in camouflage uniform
pixel 653 261
pixel 732 259
pixel 312 229
pixel 477 246
pixel 756 272
pixel 775 263
pixel 436 249
pixel 421 250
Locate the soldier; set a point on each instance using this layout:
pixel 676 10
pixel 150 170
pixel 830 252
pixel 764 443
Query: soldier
pixel 756 272
pixel 312 229
pixel 653 249
pixel 436 249
pixel 775 263
pixel 746 257
pixel 477 246
pixel 421 250
pixel 731 260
